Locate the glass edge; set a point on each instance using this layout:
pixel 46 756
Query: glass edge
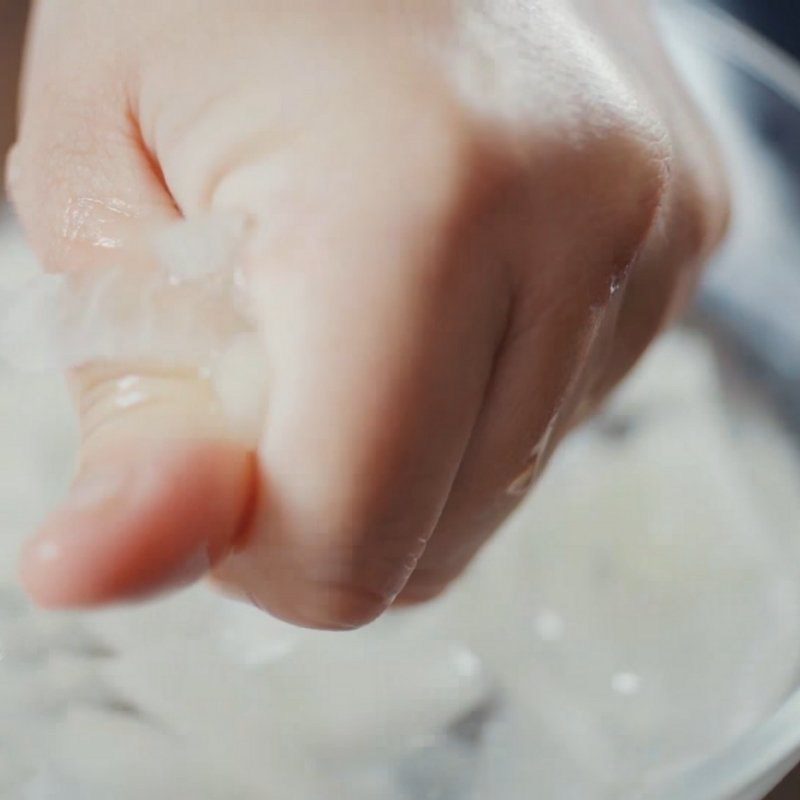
pixel 718 30
pixel 776 740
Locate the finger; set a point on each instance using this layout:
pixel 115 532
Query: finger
pixel 380 330
pixel 693 219
pixel 525 416
pixel 161 487
pixel 577 256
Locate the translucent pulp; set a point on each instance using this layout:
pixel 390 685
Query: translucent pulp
pixel 181 303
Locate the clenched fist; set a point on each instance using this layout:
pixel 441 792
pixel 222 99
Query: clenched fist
pixel 472 216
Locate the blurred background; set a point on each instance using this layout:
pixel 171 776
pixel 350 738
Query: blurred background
pixel 776 19
pixel 779 21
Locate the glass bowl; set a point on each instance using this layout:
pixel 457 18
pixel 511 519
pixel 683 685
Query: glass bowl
pixel 750 92
pixel 189 720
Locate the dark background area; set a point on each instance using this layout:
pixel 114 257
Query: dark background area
pixel 777 19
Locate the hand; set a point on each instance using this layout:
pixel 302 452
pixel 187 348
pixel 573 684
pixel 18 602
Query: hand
pixel 476 215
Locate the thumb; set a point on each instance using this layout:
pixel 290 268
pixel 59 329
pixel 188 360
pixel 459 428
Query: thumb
pixel 159 495
pixel 161 485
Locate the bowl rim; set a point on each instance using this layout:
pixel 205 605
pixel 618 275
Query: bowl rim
pixel 771 748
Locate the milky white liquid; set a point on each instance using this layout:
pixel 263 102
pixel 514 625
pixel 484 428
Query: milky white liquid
pixel 639 614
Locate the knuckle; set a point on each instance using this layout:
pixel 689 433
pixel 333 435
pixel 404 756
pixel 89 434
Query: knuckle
pixel 633 163
pixel 449 169
pixel 593 198
pixel 702 210
pixel 656 186
pixel 460 178
pixel 626 171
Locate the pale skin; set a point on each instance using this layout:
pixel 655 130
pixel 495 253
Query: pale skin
pixel 476 216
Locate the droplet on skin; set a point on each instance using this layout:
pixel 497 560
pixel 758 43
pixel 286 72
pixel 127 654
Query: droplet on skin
pixel 130 392
pixel 522 484
pixel 128 382
pixel 130 399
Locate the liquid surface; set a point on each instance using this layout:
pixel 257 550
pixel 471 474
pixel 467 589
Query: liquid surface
pixel 639 614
